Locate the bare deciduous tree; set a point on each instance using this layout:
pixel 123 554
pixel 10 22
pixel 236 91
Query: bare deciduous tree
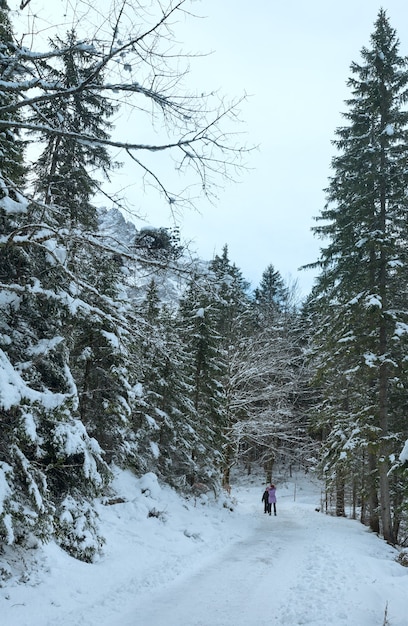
pixel 133 47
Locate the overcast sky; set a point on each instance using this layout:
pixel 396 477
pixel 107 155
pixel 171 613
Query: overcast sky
pixel 292 58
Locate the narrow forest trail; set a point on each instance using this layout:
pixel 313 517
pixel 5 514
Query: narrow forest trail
pixel 300 567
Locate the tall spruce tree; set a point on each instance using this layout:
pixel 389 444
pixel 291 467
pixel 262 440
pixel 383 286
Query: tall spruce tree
pixel 44 451
pixel 65 184
pixel 63 177
pixel 271 296
pixel 11 147
pixel 231 298
pixel 232 314
pixel 361 292
pixel 166 421
pixel 63 341
pixel 205 368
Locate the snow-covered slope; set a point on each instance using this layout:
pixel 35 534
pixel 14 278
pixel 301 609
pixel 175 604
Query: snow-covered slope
pixel 170 562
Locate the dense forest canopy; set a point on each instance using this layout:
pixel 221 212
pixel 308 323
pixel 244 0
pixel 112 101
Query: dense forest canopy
pixel 118 350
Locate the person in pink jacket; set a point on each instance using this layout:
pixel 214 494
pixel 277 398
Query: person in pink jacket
pixel 272 499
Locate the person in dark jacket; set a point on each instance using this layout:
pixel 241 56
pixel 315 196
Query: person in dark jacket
pixel 265 498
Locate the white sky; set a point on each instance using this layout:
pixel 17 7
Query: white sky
pixel 293 59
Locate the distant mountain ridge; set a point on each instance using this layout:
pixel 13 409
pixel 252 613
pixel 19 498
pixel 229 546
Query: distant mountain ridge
pixel 170 274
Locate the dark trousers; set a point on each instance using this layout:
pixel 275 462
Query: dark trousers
pixel 270 507
pixel 266 506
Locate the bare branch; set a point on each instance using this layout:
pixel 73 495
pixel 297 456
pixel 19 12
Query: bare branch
pixel 189 128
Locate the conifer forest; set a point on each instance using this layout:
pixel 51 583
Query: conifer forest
pixel 118 348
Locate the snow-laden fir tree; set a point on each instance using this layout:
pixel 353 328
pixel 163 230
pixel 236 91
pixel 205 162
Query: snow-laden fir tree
pixel 362 290
pixel 55 288
pixel 63 179
pixel 231 310
pixel 99 336
pixel 165 423
pixel 11 146
pixel 205 369
pixel 272 295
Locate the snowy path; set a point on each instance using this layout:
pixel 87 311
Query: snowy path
pixel 203 565
pixel 293 569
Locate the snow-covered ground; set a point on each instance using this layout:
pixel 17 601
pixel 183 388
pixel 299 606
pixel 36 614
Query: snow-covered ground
pixel 171 563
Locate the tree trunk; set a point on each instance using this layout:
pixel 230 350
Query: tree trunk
pixel 383 341
pixel 363 490
pixel 372 498
pixel 268 470
pixel 354 504
pixel 387 527
pixel 385 499
pixel 226 473
pixel 340 485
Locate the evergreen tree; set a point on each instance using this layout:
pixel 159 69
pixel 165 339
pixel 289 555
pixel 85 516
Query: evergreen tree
pixel 62 172
pixel 205 368
pixel 231 298
pixel 232 314
pixel 58 320
pixel 45 451
pixel 98 338
pixel 165 422
pixel 362 288
pixel 11 147
pixel 271 296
